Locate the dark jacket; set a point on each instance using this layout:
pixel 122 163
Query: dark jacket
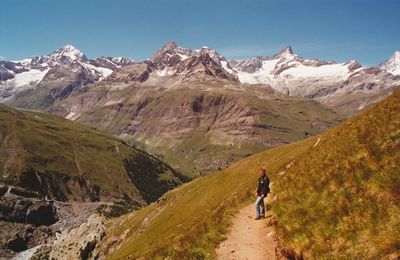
pixel 263 185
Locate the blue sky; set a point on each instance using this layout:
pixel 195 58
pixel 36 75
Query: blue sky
pixel 365 30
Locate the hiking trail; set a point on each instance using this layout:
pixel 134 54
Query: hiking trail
pixel 249 239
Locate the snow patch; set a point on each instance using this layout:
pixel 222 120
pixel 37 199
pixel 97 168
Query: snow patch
pixel 105 72
pixel 113 102
pixel 71 52
pixel 73 113
pixel 72 116
pixel 224 65
pixel 362 106
pixel 329 70
pixel 165 72
pixel 183 56
pixel 26 78
pixel 24 62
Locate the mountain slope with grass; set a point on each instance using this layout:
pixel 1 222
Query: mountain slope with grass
pixel 190 221
pixel 342 199
pixel 335 195
pixel 50 156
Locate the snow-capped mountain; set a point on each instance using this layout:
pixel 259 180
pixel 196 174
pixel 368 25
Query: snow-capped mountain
pixel 347 86
pixel 287 72
pixel 58 73
pixel 393 64
pixel 172 60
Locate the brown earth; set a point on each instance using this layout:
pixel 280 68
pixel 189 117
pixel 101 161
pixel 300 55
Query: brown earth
pixel 249 239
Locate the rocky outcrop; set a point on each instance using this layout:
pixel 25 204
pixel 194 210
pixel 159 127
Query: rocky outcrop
pixel 80 242
pixel 17 237
pixel 23 210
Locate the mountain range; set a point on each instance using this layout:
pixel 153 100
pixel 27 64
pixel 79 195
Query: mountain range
pixel 53 77
pixel 195 109
pixel 286 72
pixel 113 135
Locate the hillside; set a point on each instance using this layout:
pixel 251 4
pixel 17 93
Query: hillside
pixel 54 157
pixel 341 187
pixel 342 198
pixel 198 124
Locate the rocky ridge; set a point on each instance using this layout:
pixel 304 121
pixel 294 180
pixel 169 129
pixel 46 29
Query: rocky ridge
pixel 52 77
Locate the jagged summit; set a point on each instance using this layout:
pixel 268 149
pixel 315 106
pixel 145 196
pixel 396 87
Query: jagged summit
pixel 392 65
pixel 286 52
pixel 55 75
pixel 171 45
pixel 67 51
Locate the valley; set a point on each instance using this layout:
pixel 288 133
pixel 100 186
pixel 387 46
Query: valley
pixel 152 159
pixel 54 170
pixel 194 109
pixel 306 190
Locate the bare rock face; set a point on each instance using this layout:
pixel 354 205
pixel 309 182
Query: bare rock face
pixel 174 61
pixel 112 63
pixel 80 242
pixel 44 214
pixel 17 237
pixel 196 112
pixel 22 210
pixel 25 222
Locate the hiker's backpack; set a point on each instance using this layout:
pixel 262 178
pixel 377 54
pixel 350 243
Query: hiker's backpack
pixel 268 189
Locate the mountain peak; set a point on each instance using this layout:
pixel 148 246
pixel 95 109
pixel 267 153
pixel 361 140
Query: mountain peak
pixel 69 47
pixel 392 65
pixel 68 51
pixel 396 55
pixel 288 51
pixel 171 45
pixel 171 54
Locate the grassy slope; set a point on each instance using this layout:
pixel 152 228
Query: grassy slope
pixel 68 161
pixel 340 199
pixel 190 221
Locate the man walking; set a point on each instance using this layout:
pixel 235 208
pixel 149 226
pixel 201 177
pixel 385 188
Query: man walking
pixel 262 191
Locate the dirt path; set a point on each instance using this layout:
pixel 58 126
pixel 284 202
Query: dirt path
pixel 248 239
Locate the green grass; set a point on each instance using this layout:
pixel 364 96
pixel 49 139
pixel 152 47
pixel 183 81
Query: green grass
pixel 191 220
pixel 68 161
pixel 337 200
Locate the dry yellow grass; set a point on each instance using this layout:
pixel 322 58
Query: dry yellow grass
pixel 339 199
